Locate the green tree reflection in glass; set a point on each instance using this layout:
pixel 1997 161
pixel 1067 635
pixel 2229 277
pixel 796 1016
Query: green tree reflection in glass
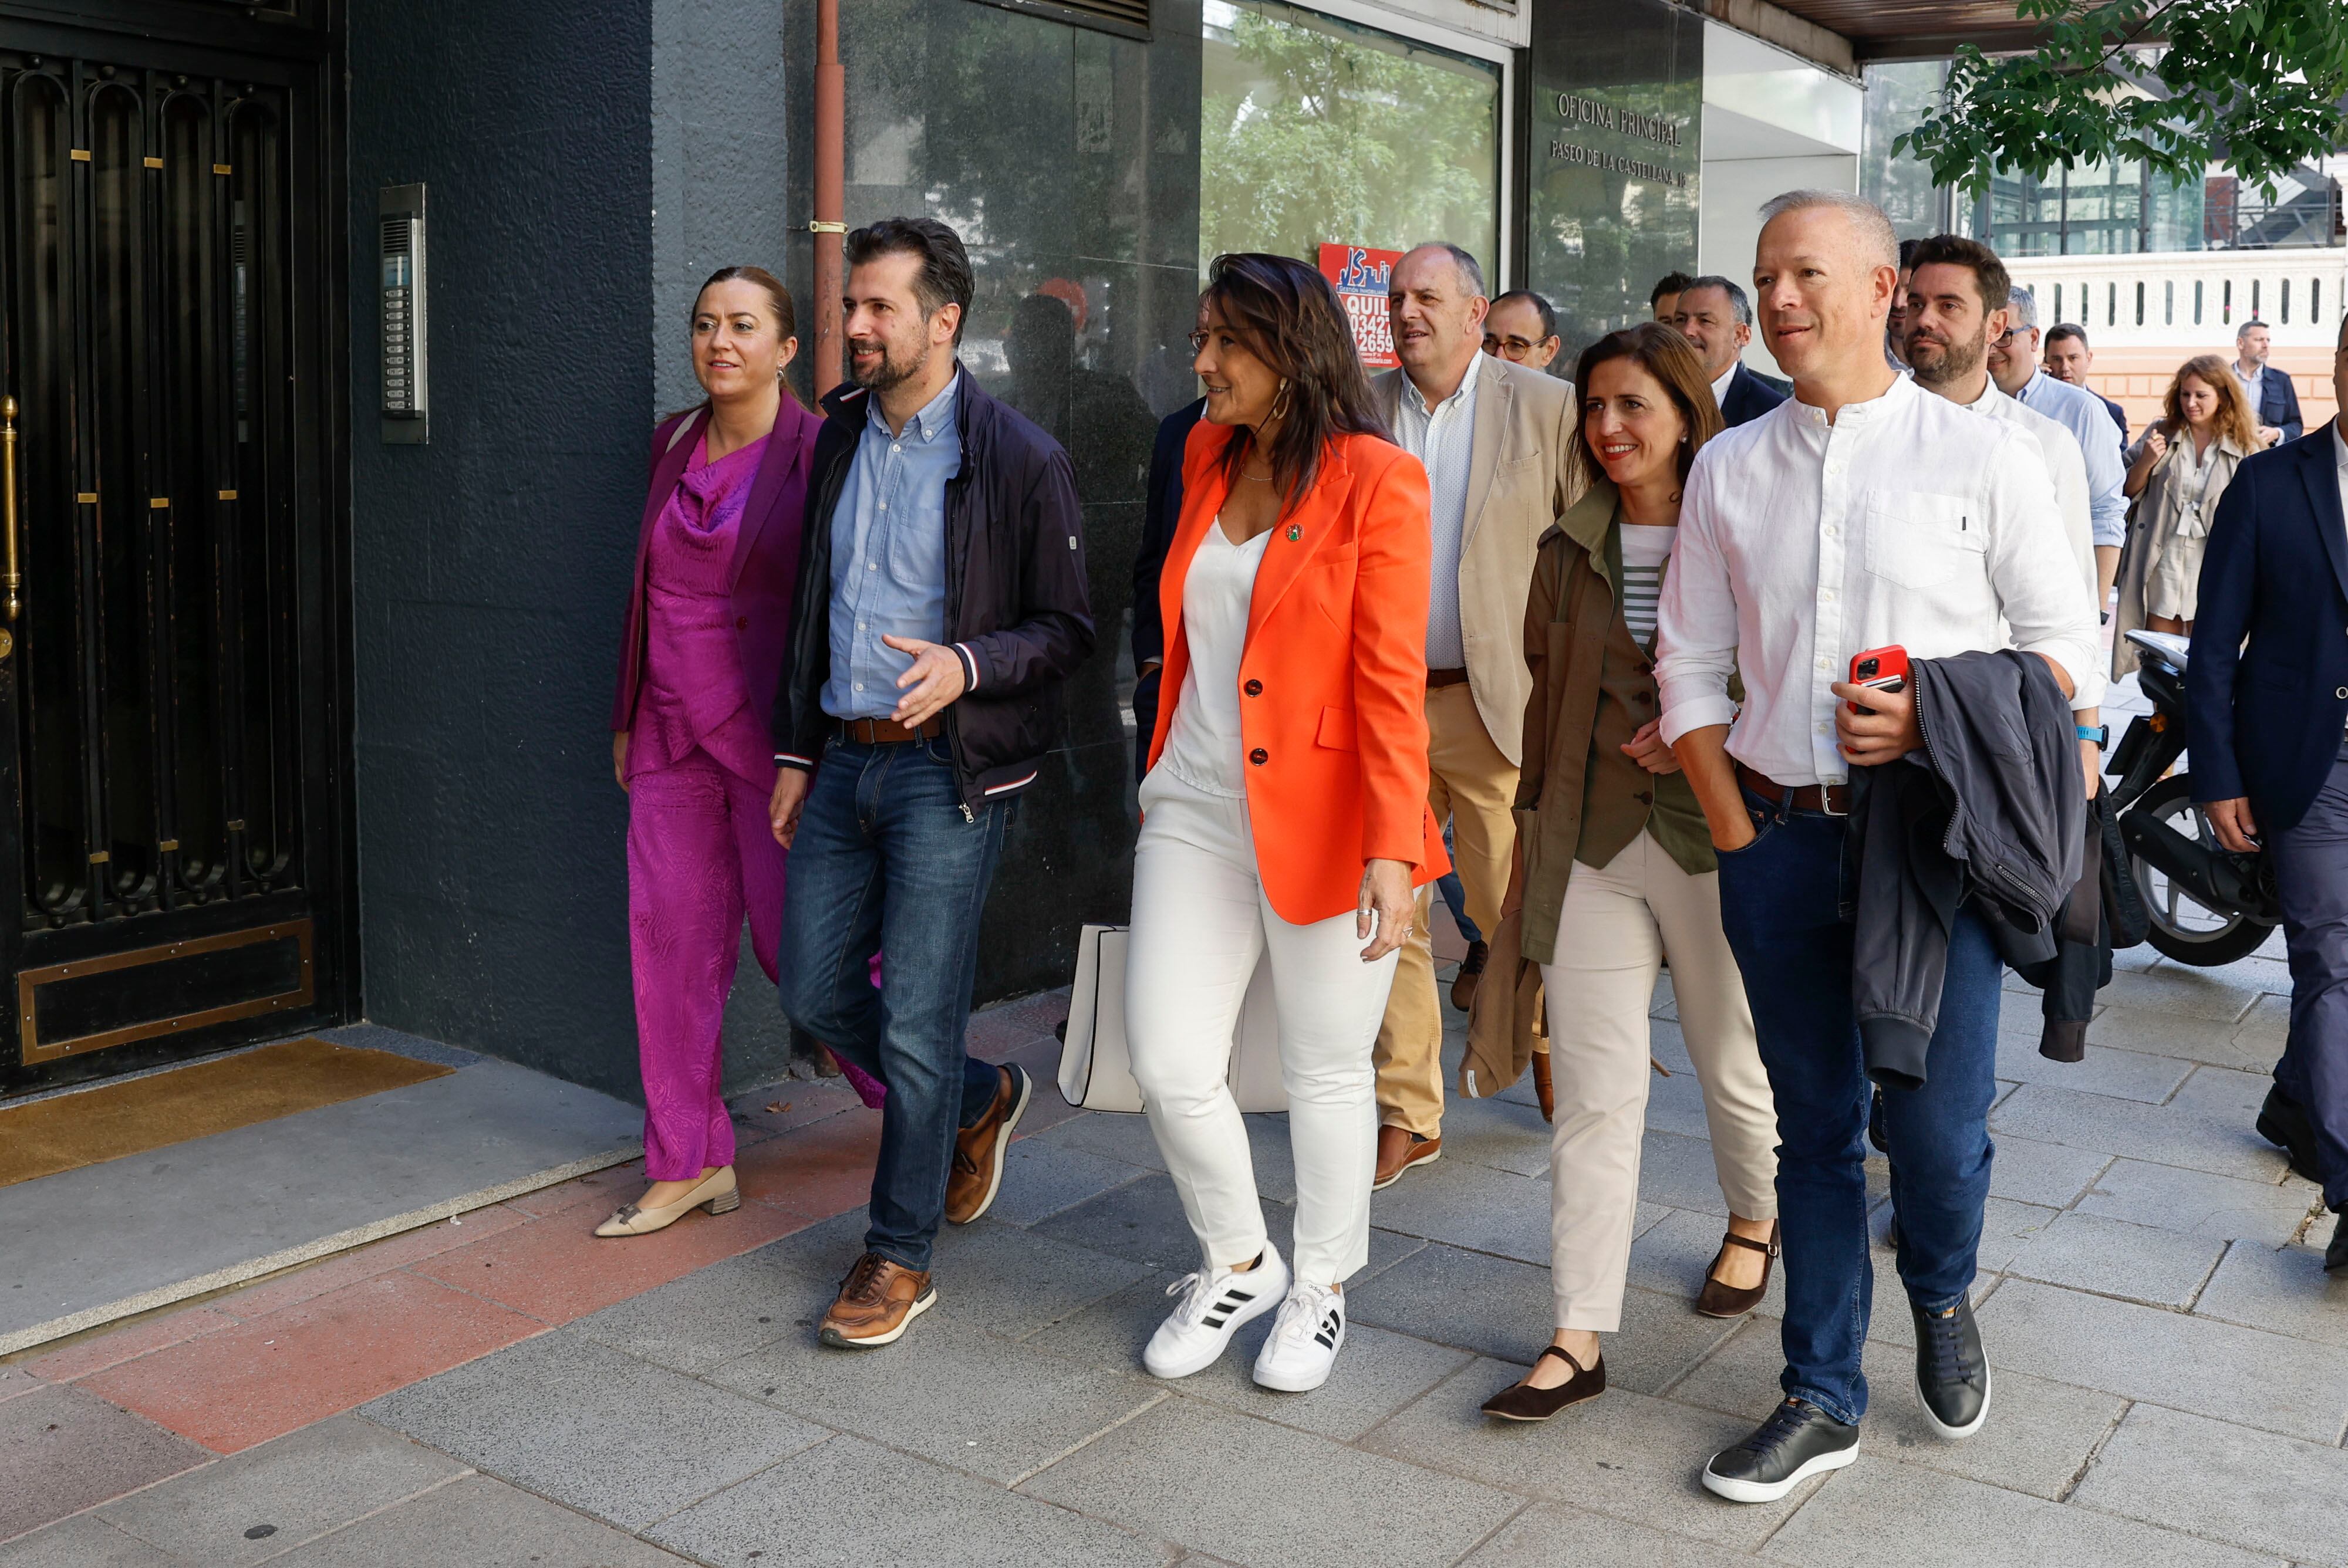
pixel 1312 130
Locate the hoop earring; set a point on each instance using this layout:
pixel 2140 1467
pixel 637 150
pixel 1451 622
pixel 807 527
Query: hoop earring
pixel 1280 403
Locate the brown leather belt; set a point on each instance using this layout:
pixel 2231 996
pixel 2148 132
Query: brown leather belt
pixel 1833 800
pixel 890 732
pixel 1438 679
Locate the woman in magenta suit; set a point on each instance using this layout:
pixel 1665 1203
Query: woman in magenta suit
pixel 708 615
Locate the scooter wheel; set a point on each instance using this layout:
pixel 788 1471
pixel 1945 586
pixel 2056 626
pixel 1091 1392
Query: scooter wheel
pixel 2181 928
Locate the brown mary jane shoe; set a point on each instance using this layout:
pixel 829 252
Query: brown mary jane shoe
pixel 1718 1300
pixel 1523 1403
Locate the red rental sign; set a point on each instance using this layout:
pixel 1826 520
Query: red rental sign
pixel 1360 275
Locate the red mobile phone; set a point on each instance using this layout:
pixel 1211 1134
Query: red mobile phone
pixel 1879 668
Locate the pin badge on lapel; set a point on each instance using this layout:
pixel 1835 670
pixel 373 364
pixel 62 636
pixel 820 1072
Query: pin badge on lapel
pixel 1295 531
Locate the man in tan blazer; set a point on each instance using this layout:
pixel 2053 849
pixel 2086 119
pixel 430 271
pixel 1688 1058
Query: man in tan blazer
pixel 1493 436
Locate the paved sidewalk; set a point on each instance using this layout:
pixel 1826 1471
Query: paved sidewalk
pixel 2172 1387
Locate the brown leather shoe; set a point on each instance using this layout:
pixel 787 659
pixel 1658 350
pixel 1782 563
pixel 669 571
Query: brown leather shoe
pixel 1544 1089
pixel 977 1170
pixel 1718 1300
pixel 1523 1403
pixel 1399 1148
pixel 1463 987
pixel 877 1300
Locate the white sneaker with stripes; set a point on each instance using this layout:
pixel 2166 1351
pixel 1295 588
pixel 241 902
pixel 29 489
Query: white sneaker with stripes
pixel 1215 1302
pixel 1306 1339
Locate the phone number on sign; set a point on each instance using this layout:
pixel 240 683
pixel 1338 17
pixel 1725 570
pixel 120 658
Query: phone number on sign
pixel 1373 329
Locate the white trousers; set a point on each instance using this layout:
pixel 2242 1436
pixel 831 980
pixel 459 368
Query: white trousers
pixel 1200 922
pixel 1616 924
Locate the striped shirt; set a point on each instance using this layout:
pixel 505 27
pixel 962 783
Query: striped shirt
pixel 1442 438
pixel 1644 550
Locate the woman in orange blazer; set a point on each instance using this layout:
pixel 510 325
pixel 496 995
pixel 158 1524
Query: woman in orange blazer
pixel 1284 811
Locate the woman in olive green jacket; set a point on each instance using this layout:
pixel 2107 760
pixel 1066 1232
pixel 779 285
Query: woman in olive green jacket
pixel 1615 869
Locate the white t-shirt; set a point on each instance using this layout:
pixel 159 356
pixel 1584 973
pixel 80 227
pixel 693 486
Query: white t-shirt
pixel 1203 744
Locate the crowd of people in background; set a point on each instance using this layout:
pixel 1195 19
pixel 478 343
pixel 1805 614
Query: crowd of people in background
pixel 1635 666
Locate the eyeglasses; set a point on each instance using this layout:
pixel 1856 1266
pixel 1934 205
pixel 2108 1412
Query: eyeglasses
pixel 1198 343
pixel 1508 348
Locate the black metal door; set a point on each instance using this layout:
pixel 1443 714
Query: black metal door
pixel 170 542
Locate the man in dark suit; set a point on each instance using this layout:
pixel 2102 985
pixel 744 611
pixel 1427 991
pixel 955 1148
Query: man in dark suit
pixel 2068 359
pixel 2264 723
pixel 1715 315
pixel 2270 393
pixel 1161 509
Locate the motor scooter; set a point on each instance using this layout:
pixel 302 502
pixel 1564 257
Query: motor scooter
pixel 2207 905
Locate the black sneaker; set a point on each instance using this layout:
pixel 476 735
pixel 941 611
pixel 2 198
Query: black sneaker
pixel 1797 1442
pixel 2335 1256
pixel 2283 1122
pixel 1951 1371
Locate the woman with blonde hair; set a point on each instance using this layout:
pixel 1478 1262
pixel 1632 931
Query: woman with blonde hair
pixel 1615 868
pixel 2175 474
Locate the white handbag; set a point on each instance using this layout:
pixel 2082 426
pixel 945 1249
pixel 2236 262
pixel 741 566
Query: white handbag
pixel 1095 1070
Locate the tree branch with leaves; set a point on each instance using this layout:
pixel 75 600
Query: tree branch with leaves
pixel 2173 84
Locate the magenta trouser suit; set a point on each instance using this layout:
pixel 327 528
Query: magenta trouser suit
pixel 700 854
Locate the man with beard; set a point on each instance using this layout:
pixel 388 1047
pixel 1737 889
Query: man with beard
pixel 1958 294
pixel 941 605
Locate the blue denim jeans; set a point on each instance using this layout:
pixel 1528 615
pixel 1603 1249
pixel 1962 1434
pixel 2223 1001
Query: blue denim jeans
pixel 1781 906
pixel 885 860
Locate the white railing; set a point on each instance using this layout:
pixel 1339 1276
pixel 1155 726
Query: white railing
pixel 2168 297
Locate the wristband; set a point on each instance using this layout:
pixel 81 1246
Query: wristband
pixel 2101 734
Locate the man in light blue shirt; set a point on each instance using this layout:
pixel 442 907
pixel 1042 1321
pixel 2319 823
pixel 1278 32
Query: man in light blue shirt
pixel 888 554
pixel 2013 366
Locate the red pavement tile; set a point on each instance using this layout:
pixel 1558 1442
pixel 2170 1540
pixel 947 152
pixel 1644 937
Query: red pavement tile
pixel 803 1100
pixel 1041 1012
pixel 818 1171
pixel 285 1290
pixel 557 1269
pixel 99 1351
pixel 15 1381
pixel 609 1188
pixel 266 1376
pixel 1046 1107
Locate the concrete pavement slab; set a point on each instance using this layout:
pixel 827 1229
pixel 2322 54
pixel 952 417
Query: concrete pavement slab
pixel 257 1503
pixel 2190 1363
pixel 2198 1203
pixel 1253 1493
pixel 848 1500
pixel 717 1313
pixel 2245 1045
pixel 1040 1179
pixel 2114 1257
pixel 1678 1172
pixel 947 1391
pixel 2121 1074
pixel 607 1434
pixel 1143 1221
pixel 1471 1207
pixel 1125 1139
pixel 2255 1489
pixel 105 1240
pixel 15 1381
pixel 1622 1454
pixel 2217 996
pixel 1492 1305
pixel 1548 1533
pixel 1676 1255
pixel 64 1450
pixel 2038 1435
pixel 1501 1134
pixel 2053 1175
pixel 83 1542
pixel 1879 1511
pixel 2202 1128
pixel 2284 1291
pixel 479 1522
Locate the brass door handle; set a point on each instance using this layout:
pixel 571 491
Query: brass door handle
pixel 12 579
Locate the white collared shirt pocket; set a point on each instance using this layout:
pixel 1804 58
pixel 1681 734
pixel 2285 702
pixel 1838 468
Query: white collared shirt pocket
pixel 1921 539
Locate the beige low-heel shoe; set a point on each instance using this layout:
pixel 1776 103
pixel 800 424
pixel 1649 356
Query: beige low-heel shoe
pixel 715 1192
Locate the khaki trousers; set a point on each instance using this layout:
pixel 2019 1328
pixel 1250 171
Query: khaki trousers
pixel 1612 934
pixel 1471 783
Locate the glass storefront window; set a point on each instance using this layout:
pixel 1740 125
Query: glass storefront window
pixel 1313 130
pixel 1897 98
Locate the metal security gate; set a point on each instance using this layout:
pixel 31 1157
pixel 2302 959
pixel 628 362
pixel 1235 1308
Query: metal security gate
pixel 168 556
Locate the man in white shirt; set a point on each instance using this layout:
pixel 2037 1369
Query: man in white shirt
pixel 1863 513
pixel 1715 315
pixel 1957 303
pixel 1493 436
pixel 2013 366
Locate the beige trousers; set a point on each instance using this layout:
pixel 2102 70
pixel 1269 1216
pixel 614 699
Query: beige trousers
pixel 1470 782
pixel 1612 934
